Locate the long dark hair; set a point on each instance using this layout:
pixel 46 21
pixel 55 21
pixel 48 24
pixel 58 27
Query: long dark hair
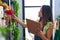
pixel 47 14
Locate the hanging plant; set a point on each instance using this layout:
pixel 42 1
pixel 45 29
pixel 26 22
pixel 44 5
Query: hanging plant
pixel 16 31
pixel 58 18
pixel 4 30
pixel 15 7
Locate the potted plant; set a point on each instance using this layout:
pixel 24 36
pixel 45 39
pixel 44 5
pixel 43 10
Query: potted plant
pixel 58 21
pixel 16 31
pixel 57 32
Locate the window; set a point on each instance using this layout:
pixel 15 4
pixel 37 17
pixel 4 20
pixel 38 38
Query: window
pixel 32 13
pixel 36 2
pixel 32 8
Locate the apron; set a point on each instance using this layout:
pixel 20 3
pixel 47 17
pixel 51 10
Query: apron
pixel 57 35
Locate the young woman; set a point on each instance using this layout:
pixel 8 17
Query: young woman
pixel 45 21
pixel 45 15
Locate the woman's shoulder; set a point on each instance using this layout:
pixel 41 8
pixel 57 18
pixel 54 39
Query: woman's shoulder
pixel 50 24
pixel 47 26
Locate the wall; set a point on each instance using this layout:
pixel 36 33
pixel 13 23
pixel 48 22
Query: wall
pixel 56 8
pixel 56 11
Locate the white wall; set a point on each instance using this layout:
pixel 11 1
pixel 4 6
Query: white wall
pixel 56 11
pixel 56 8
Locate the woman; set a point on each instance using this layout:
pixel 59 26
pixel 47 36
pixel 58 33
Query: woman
pixel 45 15
pixel 45 21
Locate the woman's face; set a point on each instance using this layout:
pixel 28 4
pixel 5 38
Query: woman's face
pixel 40 13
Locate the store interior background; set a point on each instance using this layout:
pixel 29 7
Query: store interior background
pixel 29 9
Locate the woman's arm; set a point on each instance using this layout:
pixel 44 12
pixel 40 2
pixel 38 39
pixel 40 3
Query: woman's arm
pixel 19 21
pixel 49 32
pixel 42 36
pixel 48 35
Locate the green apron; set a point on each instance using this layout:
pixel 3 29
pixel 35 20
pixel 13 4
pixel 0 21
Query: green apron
pixel 57 35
